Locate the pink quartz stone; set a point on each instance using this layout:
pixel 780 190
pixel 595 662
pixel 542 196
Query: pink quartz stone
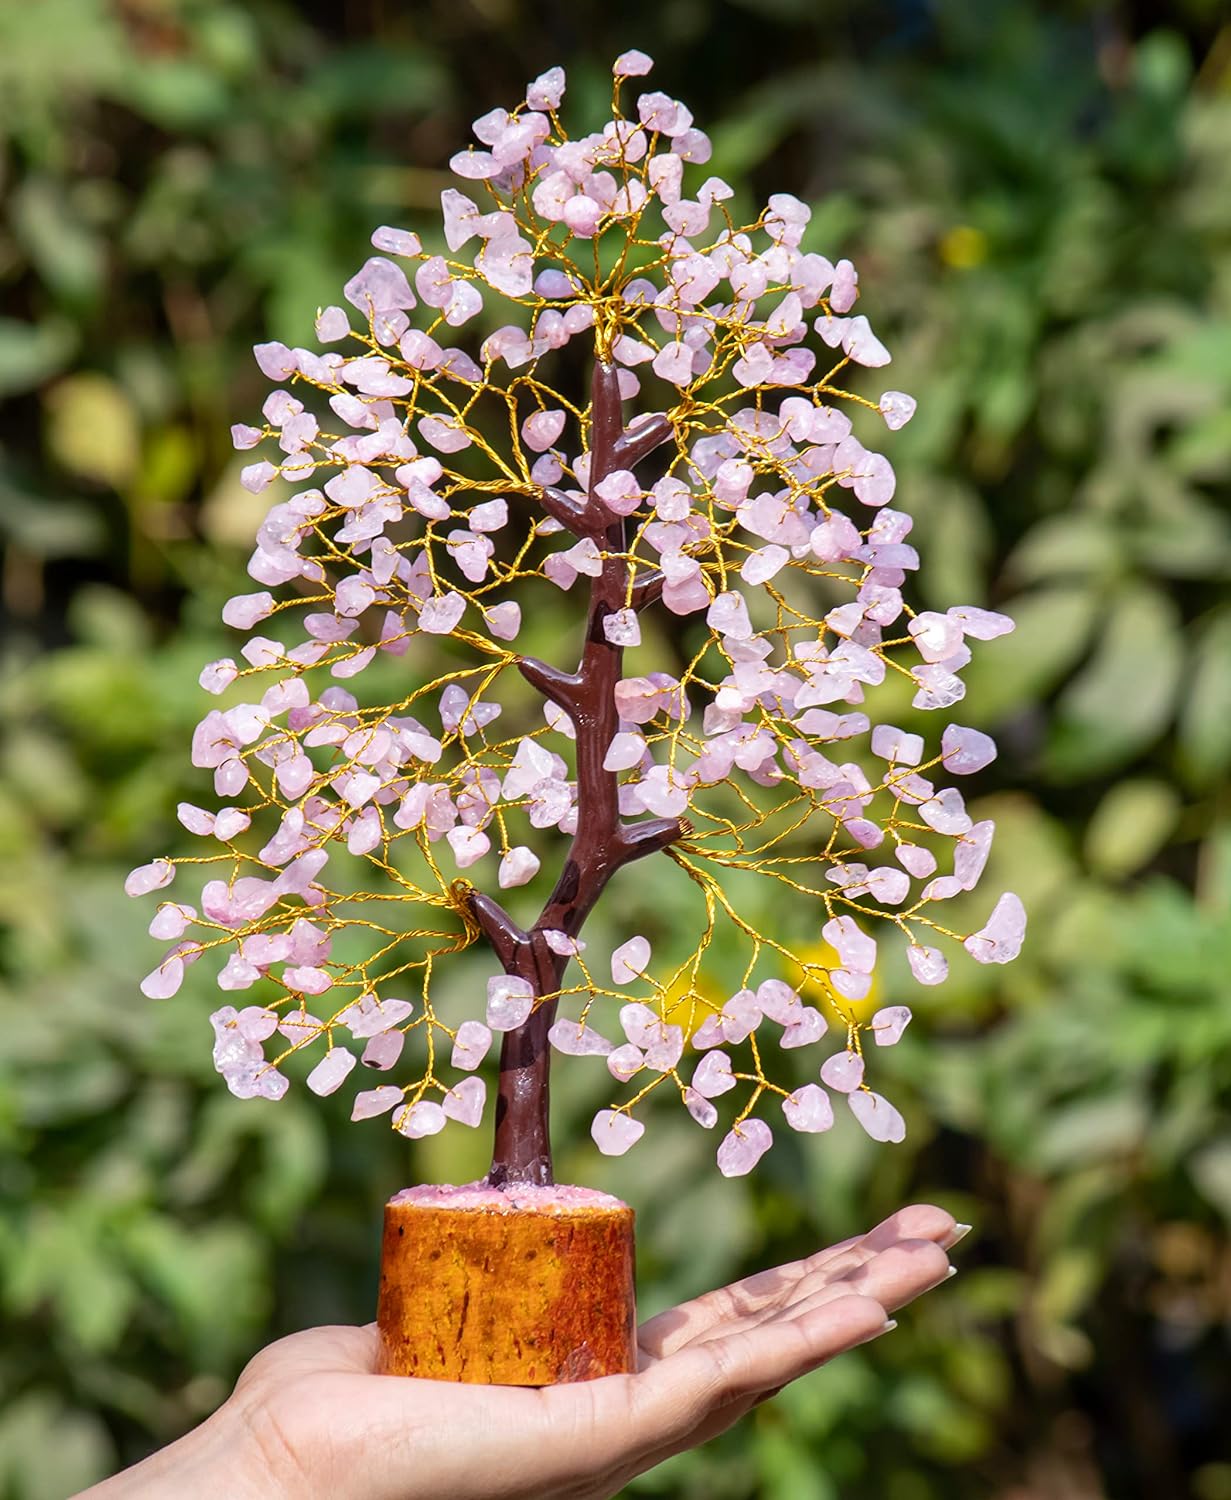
pixel 982 624
pixel 889 1023
pixel 469 845
pixel 614 1132
pixel 842 1072
pixel 639 1023
pixel 877 1116
pixel 471 1044
pixel 946 812
pixel 728 615
pixel 777 1000
pixel 542 429
pixel 853 984
pixel 897 408
pixel 375 1102
pixel 442 616
pixel 810 1027
pixel 424 1118
pixel 465 1100
pixel 673 363
pixel 928 965
pixel 712 1075
pixel 630 960
pixel 383 1050
pixel 937 636
pixel 632 64
pixel 625 1062
pixel 517 866
pixel 760 566
pixel 332 324
pixel 165 980
pixel 743 1146
pixel 578 1040
pixel 330 1073
pixel 919 861
pixel 621 628
pixel 307 980
pixel 171 919
pixel 700 1108
pixel 217 676
pixel 808 1109
pixel 971 853
pixel 1000 941
pixel 966 751
pixel 255 1023
pixel 856 949
pixel 152 877
pixel 888 885
pixel 620 492
pixel 895 745
pixel 510 999
pixel 504 620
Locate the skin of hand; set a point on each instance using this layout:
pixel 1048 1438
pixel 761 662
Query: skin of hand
pixel 310 1417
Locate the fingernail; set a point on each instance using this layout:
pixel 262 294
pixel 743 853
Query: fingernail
pixel 960 1231
pixel 950 1273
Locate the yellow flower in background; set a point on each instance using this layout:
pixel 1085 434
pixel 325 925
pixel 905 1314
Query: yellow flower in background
pixel 963 246
pixel 687 1002
pixel 818 993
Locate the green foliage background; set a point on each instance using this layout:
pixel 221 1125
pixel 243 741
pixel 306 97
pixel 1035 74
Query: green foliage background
pixel 1038 197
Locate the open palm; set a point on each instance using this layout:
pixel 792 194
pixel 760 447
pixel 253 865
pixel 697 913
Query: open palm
pixel 317 1421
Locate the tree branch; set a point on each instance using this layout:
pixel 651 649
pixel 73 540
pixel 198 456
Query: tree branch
pixel 500 930
pixel 639 839
pixel 560 687
pixel 648 588
pixel 641 439
pixel 572 514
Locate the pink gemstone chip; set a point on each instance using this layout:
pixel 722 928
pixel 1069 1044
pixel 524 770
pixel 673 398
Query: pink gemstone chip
pixel 743 1146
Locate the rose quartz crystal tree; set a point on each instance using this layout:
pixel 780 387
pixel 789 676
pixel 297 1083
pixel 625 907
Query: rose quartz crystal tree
pixel 441 479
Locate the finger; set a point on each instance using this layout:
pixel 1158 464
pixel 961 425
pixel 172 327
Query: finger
pixel 672 1330
pixel 922 1223
pixel 716 1380
pixel 919 1221
pixel 893 1277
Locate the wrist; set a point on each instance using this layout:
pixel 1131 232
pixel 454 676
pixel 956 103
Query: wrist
pixel 220 1457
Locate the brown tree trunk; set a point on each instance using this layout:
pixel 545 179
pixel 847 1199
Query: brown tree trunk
pixel 603 841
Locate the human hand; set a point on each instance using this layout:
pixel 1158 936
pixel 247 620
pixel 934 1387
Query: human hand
pixel 310 1418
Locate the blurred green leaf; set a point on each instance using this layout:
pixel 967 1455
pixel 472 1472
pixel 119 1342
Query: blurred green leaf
pixel 65 252
pixel 48 1449
pixel 92 428
pixel 1121 700
pixel 1130 825
pixel 32 352
pixel 1205 717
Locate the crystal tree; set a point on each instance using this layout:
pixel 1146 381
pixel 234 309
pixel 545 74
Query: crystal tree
pixel 444 480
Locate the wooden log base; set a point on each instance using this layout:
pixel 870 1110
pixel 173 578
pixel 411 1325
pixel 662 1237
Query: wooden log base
pixel 507 1286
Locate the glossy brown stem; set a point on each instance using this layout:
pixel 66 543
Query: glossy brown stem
pixel 603 841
